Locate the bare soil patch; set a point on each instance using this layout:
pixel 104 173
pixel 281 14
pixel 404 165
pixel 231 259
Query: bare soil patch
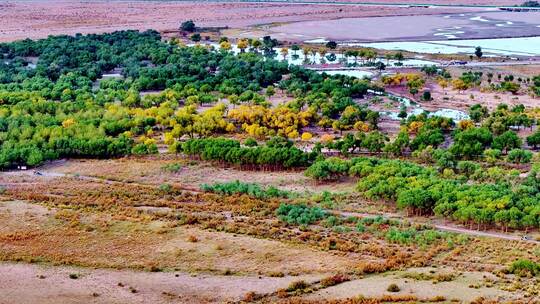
pixel 26 283
pixel 444 2
pixel 374 286
pixel 462 100
pixel 193 173
pixel 32 233
pixel 40 18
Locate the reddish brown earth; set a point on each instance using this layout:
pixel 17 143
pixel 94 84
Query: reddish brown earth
pixel 435 2
pixel 40 18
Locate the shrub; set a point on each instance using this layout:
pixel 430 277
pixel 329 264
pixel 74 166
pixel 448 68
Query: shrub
pixel 250 142
pixel 299 214
pixel 519 156
pixel 174 168
pixel 393 288
pixel 332 221
pixel 413 236
pixel 250 297
pixel 438 299
pixel 334 280
pixel 144 148
pixel 165 188
pixel 251 189
pixel 524 267
pixel 297 285
pixel 276 274
pixel 329 169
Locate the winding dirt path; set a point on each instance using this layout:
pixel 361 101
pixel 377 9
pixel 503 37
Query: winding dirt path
pixel 442 227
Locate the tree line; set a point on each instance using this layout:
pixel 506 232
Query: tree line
pixel 276 155
pixel 468 197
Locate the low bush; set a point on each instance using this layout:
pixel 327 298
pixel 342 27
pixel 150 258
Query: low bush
pixel 299 214
pixel 297 285
pixel 250 142
pixel 251 189
pixel 524 267
pixel 413 236
pixel 174 168
pixel 334 280
pixel 393 288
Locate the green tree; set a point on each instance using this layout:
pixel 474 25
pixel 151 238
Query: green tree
pixel 398 146
pixel 188 26
pixel 331 45
pixel 478 52
pixel 471 142
pixel 519 156
pixel 195 37
pixel 534 139
pixel 375 141
pixel 506 141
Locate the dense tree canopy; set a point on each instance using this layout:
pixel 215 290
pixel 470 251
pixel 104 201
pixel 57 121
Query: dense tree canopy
pixel 93 95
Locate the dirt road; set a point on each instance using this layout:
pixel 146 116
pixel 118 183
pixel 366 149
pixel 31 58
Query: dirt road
pixel 442 227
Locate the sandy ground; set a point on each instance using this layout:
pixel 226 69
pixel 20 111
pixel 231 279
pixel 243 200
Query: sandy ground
pixel 449 98
pixel 523 71
pixel 376 285
pixel 39 18
pixel 27 283
pixel 126 245
pixel 193 174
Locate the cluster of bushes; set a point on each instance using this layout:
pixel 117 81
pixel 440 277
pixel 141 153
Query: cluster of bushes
pixel 536 87
pixel 251 189
pixel 299 214
pixel 331 168
pixel 228 151
pixel 403 233
pixel 413 236
pixel 173 168
pixel 524 267
pixel 421 136
pixel 424 190
pixel 469 141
